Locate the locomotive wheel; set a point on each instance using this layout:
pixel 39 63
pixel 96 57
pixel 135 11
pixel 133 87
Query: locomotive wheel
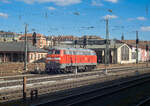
pixel 55 71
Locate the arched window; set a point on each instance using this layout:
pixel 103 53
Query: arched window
pixel 124 53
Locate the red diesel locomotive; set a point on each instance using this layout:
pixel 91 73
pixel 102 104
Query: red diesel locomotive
pixel 68 59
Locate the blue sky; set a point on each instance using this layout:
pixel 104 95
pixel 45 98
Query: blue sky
pixel 77 17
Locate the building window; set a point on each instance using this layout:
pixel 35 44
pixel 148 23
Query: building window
pixel 31 56
pixel 38 56
pixel 124 53
pixel 133 55
pixel 42 56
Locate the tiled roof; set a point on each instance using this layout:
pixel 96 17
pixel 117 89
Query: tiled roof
pixel 8 33
pixel 18 47
pixel 95 46
pixel 142 44
pixel 30 35
pixel 104 46
pixel 92 37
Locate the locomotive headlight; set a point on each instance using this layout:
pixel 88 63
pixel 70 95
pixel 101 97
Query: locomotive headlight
pixel 49 58
pixel 56 58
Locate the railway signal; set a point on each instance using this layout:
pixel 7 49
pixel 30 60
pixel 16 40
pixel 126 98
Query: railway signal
pixel 137 42
pixel 147 49
pixel 84 42
pixel 34 39
pixel 75 43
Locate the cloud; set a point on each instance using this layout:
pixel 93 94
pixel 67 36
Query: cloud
pixel 145 28
pixel 57 2
pixel 51 8
pixel 110 17
pixel 141 18
pixel 5 1
pixel 113 1
pixel 130 19
pixel 27 1
pixel 137 18
pixel 4 15
pixel 96 3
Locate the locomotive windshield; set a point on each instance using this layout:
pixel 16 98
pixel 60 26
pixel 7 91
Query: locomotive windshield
pixel 54 52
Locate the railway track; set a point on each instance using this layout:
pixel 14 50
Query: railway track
pixel 144 102
pixel 84 96
pixel 55 83
pixel 9 81
pixel 40 75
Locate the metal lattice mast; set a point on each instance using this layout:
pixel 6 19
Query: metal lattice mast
pixel 25 61
pixel 107 44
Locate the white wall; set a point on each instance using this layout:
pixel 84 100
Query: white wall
pixel 139 54
pixel 119 55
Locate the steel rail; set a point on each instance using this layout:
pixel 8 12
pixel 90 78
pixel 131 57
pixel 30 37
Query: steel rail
pixel 55 87
pixel 143 102
pixel 106 90
pixel 63 76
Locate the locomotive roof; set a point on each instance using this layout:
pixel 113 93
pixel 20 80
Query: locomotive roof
pixel 65 48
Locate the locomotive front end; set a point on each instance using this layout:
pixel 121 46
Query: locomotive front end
pixel 53 60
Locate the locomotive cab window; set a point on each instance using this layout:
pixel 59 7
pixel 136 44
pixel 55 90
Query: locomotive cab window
pixel 54 52
pixel 74 52
pixel 93 53
pixel 57 51
pixel 66 52
pixel 70 52
pixel 50 52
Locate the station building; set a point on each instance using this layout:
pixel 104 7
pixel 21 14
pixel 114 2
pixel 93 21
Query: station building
pixel 15 52
pixel 143 55
pixel 119 53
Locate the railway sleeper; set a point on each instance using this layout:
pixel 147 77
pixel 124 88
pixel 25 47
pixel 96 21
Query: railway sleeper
pixel 58 87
